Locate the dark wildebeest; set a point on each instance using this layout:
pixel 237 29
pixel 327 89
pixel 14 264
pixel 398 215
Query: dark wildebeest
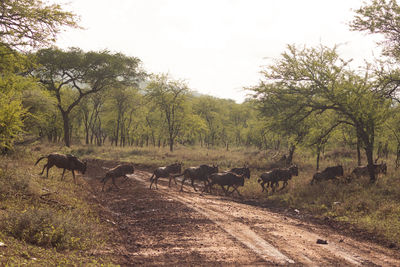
pixel 119 171
pixel 363 170
pixel 66 162
pixel 226 178
pixel 165 172
pixel 330 173
pixel 200 173
pixel 273 177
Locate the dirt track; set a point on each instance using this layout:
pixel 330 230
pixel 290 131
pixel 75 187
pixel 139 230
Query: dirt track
pixel 166 227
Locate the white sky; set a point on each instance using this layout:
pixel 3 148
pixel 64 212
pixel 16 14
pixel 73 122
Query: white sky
pixel 216 46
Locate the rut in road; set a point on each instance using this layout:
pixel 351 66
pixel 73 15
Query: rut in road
pixel 236 229
pixel 290 242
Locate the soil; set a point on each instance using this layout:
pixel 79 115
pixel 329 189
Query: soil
pixel 166 227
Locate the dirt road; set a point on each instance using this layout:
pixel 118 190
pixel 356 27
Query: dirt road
pixel 167 227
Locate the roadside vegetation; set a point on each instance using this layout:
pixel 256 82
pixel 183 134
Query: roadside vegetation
pixel 311 108
pixel 46 221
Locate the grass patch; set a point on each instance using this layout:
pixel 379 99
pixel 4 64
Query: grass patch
pixel 48 228
pixel 46 221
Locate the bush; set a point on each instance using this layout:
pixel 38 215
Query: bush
pixel 47 228
pixel 11 184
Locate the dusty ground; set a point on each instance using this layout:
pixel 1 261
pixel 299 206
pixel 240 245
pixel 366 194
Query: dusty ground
pixel 167 227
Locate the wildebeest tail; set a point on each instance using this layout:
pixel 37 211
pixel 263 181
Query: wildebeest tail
pixel 259 180
pixel 40 159
pixel 151 178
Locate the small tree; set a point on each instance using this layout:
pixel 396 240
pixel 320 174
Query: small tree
pixel 169 96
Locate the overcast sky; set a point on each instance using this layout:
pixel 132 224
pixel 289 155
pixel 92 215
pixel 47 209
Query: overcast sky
pixel 216 46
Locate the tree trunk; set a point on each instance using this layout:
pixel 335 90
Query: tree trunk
pixel 67 139
pixel 290 157
pixel 371 169
pixel 171 144
pixel 318 156
pixel 358 152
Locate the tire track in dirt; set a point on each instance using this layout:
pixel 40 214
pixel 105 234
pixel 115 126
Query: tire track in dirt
pixel 276 238
pixel 239 231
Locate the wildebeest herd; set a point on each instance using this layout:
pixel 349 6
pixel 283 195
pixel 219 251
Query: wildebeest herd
pixel 207 174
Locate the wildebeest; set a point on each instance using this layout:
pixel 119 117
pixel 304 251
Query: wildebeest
pixel 226 178
pixel 165 172
pixel 66 162
pixel 363 170
pixel 329 173
pixel 119 171
pixel 273 177
pixel 200 173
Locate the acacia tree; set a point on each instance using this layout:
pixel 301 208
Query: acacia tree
pixel 169 96
pixel 307 82
pixel 382 17
pixel 31 23
pixel 209 108
pixel 84 72
pixel 291 123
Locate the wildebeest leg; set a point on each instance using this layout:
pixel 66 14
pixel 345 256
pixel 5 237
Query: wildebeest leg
pixel 183 181
pixel 73 175
pixel 193 185
pixel 285 183
pixel 62 176
pixel 104 183
pixel 262 186
pixel 207 188
pixel 113 181
pixel 274 185
pixel 172 177
pixel 205 185
pixel 44 167
pixel 235 189
pixel 225 191
pixel 48 166
pixel 152 180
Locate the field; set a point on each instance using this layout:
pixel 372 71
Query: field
pixel 53 222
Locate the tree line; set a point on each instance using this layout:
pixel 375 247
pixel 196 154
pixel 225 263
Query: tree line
pixel 309 97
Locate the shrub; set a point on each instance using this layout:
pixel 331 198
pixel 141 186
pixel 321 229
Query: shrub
pixel 11 184
pixel 47 228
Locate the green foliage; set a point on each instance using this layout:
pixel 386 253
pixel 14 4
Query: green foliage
pixel 31 23
pixel 380 17
pixel 11 114
pixel 169 96
pixel 305 84
pixel 72 75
